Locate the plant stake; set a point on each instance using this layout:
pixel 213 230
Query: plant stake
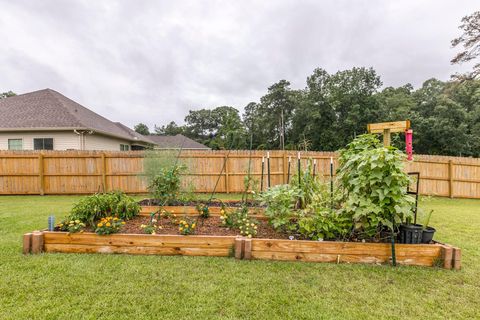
pixel 268 169
pixel 299 169
pixel 331 183
pixel 314 167
pixel 288 172
pixel 261 177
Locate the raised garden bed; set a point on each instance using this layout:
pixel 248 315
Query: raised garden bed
pixel 213 240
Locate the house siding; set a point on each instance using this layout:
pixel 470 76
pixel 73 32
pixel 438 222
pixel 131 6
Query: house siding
pixel 62 140
pixel 100 142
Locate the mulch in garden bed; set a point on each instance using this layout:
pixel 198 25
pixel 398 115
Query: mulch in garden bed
pixel 210 226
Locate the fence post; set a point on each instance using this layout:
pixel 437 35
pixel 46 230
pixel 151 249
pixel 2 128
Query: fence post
pixel 41 179
pixel 450 178
pixel 227 183
pixel 284 169
pixel 104 172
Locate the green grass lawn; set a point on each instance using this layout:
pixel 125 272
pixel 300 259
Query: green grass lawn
pixel 95 286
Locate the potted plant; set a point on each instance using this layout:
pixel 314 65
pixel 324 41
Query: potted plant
pixel 427 232
pixel 410 233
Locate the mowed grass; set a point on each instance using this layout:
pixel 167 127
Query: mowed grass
pixel 96 286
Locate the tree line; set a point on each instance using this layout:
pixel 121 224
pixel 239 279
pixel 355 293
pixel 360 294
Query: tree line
pixel 333 108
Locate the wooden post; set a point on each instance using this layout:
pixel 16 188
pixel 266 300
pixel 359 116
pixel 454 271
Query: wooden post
pixel 247 249
pixel 450 178
pixel 227 183
pixel 386 137
pixel 41 178
pixel 104 172
pixel 27 243
pixel 284 170
pixel 37 242
pixel 239 247
pixel 457 258
pixel 447 257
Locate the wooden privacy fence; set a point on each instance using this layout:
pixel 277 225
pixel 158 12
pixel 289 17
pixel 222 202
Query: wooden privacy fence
pixel 86 172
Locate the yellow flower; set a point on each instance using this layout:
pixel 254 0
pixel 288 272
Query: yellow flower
pixel 123 222
pixel 186 226
pixel 142 226
pixel 249 235
pixel 181 229
pixel 99 225
pixel 72 221
pixel 193 225
pixel 115 219
pixel 108 224
pixel 61 224
pixel 77 221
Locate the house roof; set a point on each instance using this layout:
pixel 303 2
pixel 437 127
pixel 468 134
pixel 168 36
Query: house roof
pixel 49 110
pixel 176 142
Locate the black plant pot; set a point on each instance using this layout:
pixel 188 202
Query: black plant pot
pixel 427 234
pixel 410 233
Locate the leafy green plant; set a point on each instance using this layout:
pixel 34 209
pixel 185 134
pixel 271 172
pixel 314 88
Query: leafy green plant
pixel 280 202
pixel 324 225
pixel 373 185
pixel 165 185
pixel 93 208
pixel 109 225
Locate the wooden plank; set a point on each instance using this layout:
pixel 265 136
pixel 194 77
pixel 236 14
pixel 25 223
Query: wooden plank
pixel 41 178
pixel 104 172
pixel 141 240
pixel 227 180
pixel 185 251
pixel 450 178
pixel 344 248
pixel 393 126
pixel 340 258
pixel 27 243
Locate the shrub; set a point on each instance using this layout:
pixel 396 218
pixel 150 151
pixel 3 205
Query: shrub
pixel 93 208
pixel 109 225
pixel 373 185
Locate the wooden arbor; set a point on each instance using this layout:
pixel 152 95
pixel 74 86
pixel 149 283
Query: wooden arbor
pixel 386 128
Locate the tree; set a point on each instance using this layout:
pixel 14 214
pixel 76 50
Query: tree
pixel 142 129
pixel 219 128
pixel 470 41
pixel 7 94
pixel 171 129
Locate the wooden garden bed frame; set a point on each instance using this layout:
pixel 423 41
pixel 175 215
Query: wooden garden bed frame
pixel 436 254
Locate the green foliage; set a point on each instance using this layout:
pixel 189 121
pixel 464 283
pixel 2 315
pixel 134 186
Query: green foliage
pixel 162 171
pixel 142 129
pixel 280 202
pixel 324 224
pixel 239 219
pixel 109 225
pixel 373 185
pixel 93 208
pixel 152 226
pixel 71 226
pixel 7 94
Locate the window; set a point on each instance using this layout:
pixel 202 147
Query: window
pixel 43 143
pixel 124 147
pixel 15 144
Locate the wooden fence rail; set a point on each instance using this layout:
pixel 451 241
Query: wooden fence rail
pixel 86 172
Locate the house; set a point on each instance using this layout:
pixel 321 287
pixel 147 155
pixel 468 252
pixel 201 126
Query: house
pixel 178 141
pixel 47 120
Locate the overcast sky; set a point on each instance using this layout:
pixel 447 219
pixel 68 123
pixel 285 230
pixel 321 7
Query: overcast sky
pixel 152 61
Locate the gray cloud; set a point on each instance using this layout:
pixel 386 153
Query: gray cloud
pixel 152 61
